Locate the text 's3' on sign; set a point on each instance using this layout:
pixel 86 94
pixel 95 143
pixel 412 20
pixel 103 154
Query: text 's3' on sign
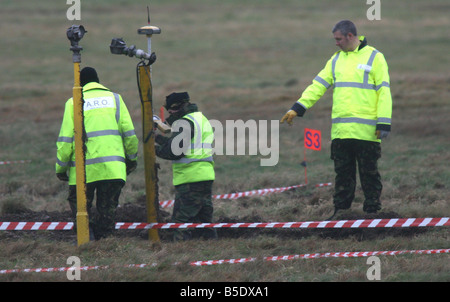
pixel 313 139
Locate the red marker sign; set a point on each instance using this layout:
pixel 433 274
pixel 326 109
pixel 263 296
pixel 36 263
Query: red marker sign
pixel 161 114
pixel 313 139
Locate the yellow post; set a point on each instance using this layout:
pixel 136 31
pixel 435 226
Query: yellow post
pixel 80 160
pixel 118 46
pixel 145 85
pixel 74 34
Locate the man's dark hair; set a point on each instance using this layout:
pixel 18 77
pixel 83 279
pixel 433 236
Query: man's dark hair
pixel 345 27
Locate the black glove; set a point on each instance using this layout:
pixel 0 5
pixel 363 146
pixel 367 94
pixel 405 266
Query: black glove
pixel 382 134
pixel 62 176
pixel 131 165
pixel 159 139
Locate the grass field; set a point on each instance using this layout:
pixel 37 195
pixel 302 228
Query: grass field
pixel 246 60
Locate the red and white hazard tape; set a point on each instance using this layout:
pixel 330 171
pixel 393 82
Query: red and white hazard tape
pixel 239 260
pixel 10 162
pixel 35 226
pixel 322 255
pixel 333 224
pixel 21 226
pixel 360 223
pixel 260 192
pixel 70 268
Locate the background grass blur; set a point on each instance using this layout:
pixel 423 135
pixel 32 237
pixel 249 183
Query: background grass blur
pixel 238 60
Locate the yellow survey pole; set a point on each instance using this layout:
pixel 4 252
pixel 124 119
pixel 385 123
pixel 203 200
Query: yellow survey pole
pixel 144 79
pixel 146 92
pixel 80 160
pixel 74 34
pixel 149 148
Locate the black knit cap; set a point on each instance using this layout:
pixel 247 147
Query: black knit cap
pixel 87 75
pixel 176 98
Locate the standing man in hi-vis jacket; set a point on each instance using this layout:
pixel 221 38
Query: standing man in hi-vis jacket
pixel 361 114
pixel 111 151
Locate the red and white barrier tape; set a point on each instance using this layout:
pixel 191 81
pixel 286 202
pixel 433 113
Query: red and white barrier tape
pixel 322 255
pixel 70 268
pixel 260 192
pixel 35 226
pixel 360 223
pixel 11 226
pixel 333 224
pixel 239 260
pixel 10 162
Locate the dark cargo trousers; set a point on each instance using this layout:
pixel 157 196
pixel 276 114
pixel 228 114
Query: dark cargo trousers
pixel 347 153
pixel 193 204
pixel 102 221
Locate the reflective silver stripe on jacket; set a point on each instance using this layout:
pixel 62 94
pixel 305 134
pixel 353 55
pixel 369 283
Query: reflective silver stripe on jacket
pixel 358 120
pixel 356 85
pixel 66 139
pixel 384 120
pixel 322 81
pixel 117 98
pixel 102 133
pixel 91 161
pixel 365 84
pixel 128 133
pixel 186 160
pixel 369 64
pixel 333 66
pixel 198 141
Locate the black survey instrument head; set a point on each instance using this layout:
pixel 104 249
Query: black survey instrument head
pixel 75 33
pixel 118 46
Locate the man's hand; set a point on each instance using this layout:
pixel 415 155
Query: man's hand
pixel 381 134
pixel 62 176
pixel 289 116
pixel 131 165
pixel 159 138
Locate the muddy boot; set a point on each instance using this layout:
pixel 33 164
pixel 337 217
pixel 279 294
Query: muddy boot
pixel 371 206
pixel 341 214
pixel 336 210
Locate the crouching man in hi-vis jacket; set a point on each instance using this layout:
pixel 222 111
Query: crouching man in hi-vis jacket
pixel 361 114
pixel 111 151
pixel 190 149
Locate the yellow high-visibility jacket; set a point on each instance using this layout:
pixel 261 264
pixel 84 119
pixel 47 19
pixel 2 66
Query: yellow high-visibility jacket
pixel 197 164
pixel 362 101
pixel 110 136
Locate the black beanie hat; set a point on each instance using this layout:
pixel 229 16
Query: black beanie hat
pixel 176 98
pixel 87 75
